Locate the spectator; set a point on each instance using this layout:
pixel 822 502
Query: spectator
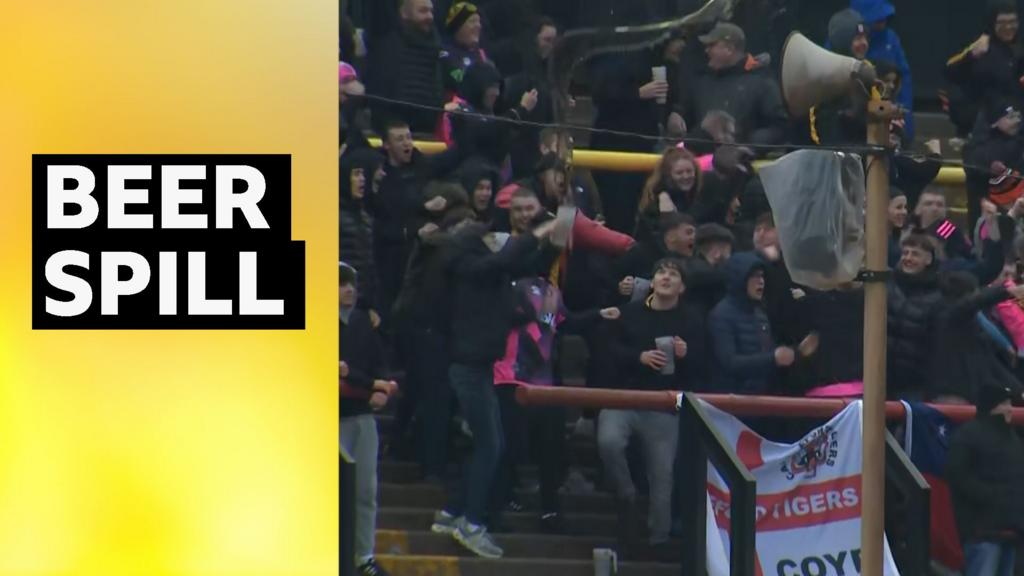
pixel 914 301
pixel 361 372
pixel 897 212
pixel 677 239
pixel 462 46
pixel 674 186
pixel 482 315
pixel 533 75
pixel 397 203
pixel 644 360
pixel 747 357
pixel 421 314
pixel 930 214
pixel 842 120
pixel 350 104
pixel 474 128
pixel 963 359
pixel 985 469
pixel 884 44
pixel 531 357
pixel 714 248
pixel 404 66
pixel 358 173
pixel 1000 153
pixel 627 101
pixel 835 343
pixel 990 67
pixel 753 99
pixel 480 179
pixel 447 198
pixel 779 302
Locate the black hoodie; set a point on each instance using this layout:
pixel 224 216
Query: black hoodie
pixel 355 224
pixel 479 131
pixel 474 170
pixel 996 73
pixel 636 331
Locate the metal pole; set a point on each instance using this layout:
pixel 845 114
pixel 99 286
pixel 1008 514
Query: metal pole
pixel 872 527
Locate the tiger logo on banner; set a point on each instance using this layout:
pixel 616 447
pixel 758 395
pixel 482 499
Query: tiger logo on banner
pixel 808 499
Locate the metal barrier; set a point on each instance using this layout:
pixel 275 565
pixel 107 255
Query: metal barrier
pixel 703 442
pixel 738 405
pixel 643 162
pixel 905 478
pixel 347 523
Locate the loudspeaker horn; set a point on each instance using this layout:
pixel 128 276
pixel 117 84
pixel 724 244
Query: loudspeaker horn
pixel 810 74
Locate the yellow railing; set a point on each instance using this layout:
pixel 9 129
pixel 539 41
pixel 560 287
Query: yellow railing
pixel 640 162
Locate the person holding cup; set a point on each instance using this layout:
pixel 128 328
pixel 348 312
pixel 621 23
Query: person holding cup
pixel 659 345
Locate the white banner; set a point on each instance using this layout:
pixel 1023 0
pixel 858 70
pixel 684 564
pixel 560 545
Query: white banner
pixel 808 499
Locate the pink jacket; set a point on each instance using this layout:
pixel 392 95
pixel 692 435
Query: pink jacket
pixel 1012 317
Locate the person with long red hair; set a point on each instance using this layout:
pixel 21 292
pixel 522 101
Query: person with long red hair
pixel 673 186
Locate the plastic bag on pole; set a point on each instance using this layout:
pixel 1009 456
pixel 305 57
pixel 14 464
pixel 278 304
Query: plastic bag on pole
pixel 817 201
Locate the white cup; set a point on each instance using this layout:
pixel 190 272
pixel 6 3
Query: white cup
pixel 606 562
pixel 667 345
pixel 659 74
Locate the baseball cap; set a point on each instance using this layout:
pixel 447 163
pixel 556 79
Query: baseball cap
pixel 725 31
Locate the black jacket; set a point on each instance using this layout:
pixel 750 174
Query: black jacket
pixel 985 471
pixel 914 301
pixel 482 299
pixel 992 76
pixel 423 302
pixel 454 61
pixel 635 332
pixel 355 225
pixel 752 98
pixel 741 335
pixel 405 65
pixel 400 198
pixel 963 358
pixel 838 318
pixel 616 80
pixel 705 284
pixel 359 347
pixel 480 132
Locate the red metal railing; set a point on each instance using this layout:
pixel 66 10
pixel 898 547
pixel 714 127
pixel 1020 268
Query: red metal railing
pixel 734 404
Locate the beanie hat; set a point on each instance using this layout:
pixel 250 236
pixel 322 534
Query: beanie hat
pixel 346 274
pixel 346 73
pixel 990 396
pixel 843 27
pixel 457 16
pixel 712 232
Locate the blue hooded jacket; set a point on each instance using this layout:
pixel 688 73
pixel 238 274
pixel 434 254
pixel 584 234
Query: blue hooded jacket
pixel 740 333
pixel 885 45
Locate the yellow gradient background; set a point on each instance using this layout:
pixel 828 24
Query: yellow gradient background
pixel 148 452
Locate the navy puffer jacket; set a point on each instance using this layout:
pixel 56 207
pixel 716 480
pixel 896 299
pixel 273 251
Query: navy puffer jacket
pixel 740 333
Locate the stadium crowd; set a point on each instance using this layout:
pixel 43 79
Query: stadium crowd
pixel 464 271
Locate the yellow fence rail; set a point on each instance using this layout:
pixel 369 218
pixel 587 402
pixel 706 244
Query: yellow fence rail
pixel 640 162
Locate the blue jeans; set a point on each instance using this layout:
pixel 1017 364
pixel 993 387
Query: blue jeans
pixel 989 559
pixel 474 389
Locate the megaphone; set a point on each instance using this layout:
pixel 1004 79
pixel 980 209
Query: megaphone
pixel 810 75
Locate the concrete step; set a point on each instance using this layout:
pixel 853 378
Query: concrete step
pixel 426 543
pixel 433 496
pixel 566 547
pixel 578 524
pixel 393 471
pixel 462 566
